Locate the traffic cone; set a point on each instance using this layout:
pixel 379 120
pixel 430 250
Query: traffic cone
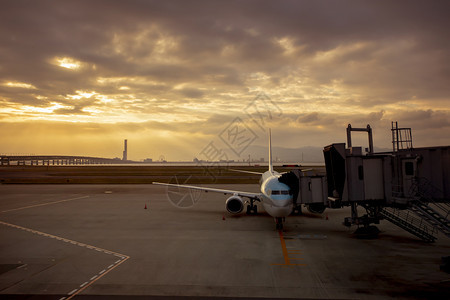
pixel 223 217
pixel 145 207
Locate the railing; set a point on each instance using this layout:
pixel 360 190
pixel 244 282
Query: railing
pixel 31 160
pixel 410 218
pixel 425 192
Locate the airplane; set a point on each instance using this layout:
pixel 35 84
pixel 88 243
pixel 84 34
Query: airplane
pixel 276 197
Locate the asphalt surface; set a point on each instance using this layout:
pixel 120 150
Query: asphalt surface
pixel 131 241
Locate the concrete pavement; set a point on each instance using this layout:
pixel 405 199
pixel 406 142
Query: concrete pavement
pixel 96 241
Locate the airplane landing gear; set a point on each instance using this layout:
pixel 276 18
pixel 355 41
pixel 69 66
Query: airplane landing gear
pixel 252 209
pixel 297 210
pixel 279 223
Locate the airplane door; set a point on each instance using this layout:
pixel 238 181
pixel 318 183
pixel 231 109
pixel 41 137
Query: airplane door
pixel 409 167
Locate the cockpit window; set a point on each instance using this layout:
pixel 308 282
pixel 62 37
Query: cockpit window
pixel 278 192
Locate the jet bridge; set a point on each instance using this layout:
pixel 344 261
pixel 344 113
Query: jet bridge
pixel 307 188
pixel 409 187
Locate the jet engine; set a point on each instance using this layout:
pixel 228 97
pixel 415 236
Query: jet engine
pixel 316 208
pixel 234 204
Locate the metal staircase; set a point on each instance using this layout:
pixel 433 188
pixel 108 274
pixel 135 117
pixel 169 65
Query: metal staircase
pixel 407 220
pixel 430 216
pixel 424 205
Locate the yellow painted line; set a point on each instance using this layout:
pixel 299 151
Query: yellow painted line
pixel 287 259
pixel 43 204
pixel 283 247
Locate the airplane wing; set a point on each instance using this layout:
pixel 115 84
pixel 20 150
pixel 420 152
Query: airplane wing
pixel 260 173
pixel 250 195
pixel 245 171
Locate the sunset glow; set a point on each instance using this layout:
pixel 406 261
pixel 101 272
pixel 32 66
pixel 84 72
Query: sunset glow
pixel 171 76
pixel 68 63
pixel 19 85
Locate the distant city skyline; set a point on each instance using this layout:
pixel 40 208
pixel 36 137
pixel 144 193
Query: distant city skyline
pixel 186 79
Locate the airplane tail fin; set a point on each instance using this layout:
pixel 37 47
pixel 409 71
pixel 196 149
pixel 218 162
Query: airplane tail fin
pixel 270 152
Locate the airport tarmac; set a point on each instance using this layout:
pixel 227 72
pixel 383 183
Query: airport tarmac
pixel 125 241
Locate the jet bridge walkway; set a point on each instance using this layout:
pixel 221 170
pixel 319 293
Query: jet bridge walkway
pixel 409 187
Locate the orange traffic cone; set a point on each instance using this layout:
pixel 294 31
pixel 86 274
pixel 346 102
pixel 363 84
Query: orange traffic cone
pixel 145 207
pixel 223 217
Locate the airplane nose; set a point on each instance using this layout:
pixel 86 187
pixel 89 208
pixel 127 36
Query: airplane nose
pixel 282 202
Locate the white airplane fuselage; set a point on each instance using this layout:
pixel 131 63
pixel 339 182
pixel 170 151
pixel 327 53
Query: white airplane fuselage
pixel 276 196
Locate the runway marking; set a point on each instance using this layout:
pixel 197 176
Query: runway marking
pixel 93 279
pixel 72 292
pixel 286 252
pixel 43 204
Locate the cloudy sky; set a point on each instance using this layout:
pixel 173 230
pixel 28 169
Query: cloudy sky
pixel 184 79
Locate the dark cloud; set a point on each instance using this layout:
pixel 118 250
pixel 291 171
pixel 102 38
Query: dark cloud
pixel 308 118
pixel 76 110
pixel 191 93
pixel 426 119
pixel 327 63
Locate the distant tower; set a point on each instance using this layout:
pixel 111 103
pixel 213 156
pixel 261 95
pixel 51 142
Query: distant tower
pixel 125 151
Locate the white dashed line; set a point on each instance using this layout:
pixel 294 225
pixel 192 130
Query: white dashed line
pixel 72 292
pixel 44 204
pixel 86 284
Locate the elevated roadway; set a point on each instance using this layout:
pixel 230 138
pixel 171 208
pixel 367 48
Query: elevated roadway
pixel 36 160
